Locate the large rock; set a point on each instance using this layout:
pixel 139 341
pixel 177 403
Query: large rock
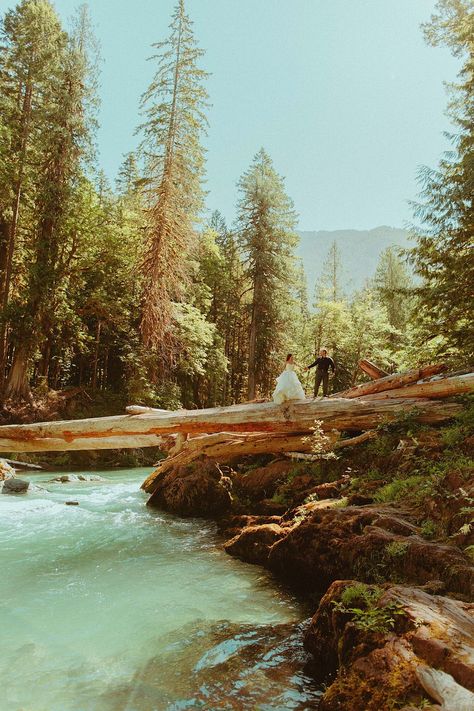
pixel 73 478
pixel 15 486
pixel 367 543
pixel 197 490
pixel 262 482
pixel 254 542
pixel 379 668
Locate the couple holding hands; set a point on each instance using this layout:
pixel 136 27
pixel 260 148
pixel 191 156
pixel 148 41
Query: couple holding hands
pixel 288 386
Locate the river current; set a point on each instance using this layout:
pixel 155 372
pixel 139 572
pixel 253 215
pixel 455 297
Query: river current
pixel 110 606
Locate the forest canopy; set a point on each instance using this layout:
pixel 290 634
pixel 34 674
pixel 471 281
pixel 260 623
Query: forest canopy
pixel 134 290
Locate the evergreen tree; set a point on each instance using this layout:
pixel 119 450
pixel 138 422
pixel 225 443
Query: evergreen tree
pixel 32 43
pixel 174 107
pixel 393 285
pixel 266 222
pixel 329 286
pixel 444 254
pixel 63 146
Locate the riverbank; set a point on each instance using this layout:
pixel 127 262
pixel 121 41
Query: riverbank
pixel 393 518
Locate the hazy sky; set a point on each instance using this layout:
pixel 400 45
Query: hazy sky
pixel 344 95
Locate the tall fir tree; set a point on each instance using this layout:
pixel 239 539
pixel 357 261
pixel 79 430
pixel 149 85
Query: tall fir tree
pixel 64 145
pixel 32 43
pixel 444 254
pixel 266 222
pixel 174 107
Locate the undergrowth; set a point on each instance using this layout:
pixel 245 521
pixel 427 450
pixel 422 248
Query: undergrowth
pixel 361 603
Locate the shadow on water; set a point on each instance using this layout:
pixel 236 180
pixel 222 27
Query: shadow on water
pixel 224 666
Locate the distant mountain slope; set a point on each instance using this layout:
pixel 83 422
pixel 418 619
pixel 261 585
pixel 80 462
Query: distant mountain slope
pixel 360 251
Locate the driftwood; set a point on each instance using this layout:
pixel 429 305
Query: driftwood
pixel 297 416
pixel 372 370
pixel 392 382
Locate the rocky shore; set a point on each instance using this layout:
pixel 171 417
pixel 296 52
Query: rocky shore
pixel 379 539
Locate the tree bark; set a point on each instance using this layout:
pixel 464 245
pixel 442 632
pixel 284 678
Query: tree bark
pixel 293 417
pixel 392 382
pixel 372 370
pixel 17 385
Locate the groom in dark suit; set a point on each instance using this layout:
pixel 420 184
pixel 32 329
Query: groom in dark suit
pixel 323 363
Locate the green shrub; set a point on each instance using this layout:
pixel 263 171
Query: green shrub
pixel 396 549
pixel 400 488
pixel 428 528
pixel 367 615
pixel 382 446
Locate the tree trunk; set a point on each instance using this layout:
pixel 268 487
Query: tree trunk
pixel 392 382
pixel 292 418
pixel 372 370
pixel 17 386
pixel 251 390
pixel 13 226
pixel 96 355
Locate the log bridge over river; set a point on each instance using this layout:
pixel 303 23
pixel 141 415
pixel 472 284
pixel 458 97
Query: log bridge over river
pixel 256 427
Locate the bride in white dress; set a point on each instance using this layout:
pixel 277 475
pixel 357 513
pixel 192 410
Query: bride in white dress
pixel 288 387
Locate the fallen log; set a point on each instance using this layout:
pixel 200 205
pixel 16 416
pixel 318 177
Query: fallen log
pixel 63 444
pixel 392 382
pixel 22 465
pixel 437 388
pixel 228 445
pixel 372 370
pixel 297 416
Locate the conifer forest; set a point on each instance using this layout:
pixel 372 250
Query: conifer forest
pixel 135 293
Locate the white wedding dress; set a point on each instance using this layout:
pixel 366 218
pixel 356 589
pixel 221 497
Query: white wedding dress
pixel 288 387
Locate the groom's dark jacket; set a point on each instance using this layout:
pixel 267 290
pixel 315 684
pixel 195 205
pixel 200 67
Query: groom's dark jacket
pixel 323 363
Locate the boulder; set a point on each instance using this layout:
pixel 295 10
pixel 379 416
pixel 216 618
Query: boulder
pixel 15 486
pixel 262 482
pixel 73 478
pixel 254 542
pixel 368 543
pixel 377 657
pixel 196 490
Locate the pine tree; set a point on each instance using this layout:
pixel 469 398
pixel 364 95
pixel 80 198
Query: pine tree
pixel 393 285
pixel 174 106
pixel 63 147
pixel 31 44
pixel 266 222
pixel 444 254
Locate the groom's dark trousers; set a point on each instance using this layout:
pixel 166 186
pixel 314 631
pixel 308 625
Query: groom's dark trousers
pixel 323 363
pixel 323 376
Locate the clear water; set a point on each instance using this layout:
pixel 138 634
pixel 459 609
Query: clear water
pixel 110 606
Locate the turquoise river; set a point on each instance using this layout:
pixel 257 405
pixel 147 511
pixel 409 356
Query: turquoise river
pixel 110 606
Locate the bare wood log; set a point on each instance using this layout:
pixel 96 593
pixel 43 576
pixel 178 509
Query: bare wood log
pixel 22 465
pixel 371 369
pixel 392 382
pixel 143 410
pixel 353 441
pixel 227 445
pixel 436 388
pixel 293 417
pixel 59 444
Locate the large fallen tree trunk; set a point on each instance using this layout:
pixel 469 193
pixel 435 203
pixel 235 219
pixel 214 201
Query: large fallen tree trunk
pixel 392 382
pixel 372 370
pixel 228 445
pixel 442 387
pixel 293 417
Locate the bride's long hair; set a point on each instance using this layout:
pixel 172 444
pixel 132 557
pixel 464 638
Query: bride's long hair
pixel 288 357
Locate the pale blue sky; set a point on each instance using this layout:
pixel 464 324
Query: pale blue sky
pixel 344 95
